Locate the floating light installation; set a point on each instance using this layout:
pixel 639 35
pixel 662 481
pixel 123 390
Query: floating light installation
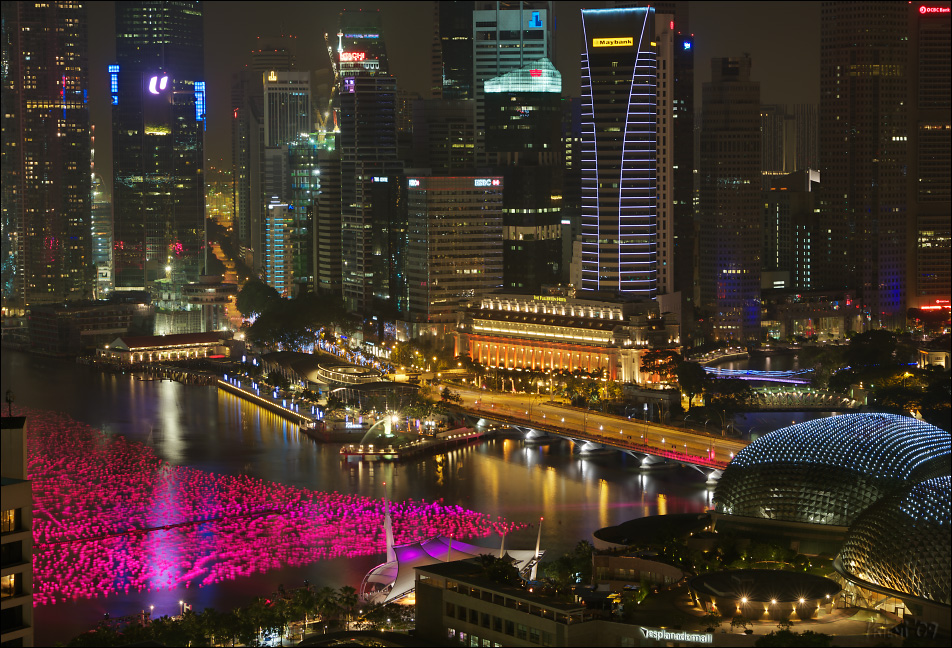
pixel 111 517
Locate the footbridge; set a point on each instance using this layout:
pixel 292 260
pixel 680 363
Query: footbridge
pixel 651 443
pixel 794 398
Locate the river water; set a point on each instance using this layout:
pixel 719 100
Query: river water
pixel 213 431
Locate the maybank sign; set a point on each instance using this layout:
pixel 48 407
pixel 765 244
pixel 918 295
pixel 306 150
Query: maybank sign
pixel 613 42
pixel 660 634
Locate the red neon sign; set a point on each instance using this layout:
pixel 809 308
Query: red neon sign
pixel 353 56
pixel 933 10
pixel 535 73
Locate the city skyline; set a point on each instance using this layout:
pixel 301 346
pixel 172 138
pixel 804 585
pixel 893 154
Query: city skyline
pixel 729 29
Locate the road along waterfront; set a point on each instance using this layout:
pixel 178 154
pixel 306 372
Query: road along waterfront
pixel 204 428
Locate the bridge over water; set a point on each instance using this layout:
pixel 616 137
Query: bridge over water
pixel 796 398
pixel 650 442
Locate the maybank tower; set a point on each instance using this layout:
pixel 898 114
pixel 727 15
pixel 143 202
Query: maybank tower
pixel 619 215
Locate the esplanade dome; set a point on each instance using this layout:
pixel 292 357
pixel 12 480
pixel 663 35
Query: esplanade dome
pixel 901 544
pixel 827 471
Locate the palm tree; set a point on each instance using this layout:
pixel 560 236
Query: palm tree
pixel 303 604
pixel 328 604
pixel 348 601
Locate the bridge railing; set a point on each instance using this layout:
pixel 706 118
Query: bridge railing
pixel 619 443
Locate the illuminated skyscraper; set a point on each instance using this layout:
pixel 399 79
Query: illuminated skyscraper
pixel 158 136
pixel 368 146
pixel 523 140
pixel 507 36
pixel 46 253
pixel 619 152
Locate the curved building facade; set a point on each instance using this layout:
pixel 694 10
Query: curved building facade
pixel 902 544
pixel 828 471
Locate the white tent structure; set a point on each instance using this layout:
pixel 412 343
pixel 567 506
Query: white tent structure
pixel 396 578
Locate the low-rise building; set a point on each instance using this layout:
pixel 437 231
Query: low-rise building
pixel 935 352
pixel 456 602
pixel 159 348
pixel 77 327
pixel 560 332
pixel 16 535
pixel 828 315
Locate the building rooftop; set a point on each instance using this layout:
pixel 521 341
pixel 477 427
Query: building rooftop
pixel 471 573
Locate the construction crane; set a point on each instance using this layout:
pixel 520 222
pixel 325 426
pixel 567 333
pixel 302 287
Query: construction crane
pixel 323 116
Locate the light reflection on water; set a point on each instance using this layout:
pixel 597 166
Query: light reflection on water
pixel 216 432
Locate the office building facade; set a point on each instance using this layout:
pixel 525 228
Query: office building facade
pixel 452 57
pixel 863 154
pixel 523 143
pixel 16 526
pixel 368 146
pixel 46 252
pixel 158 144
pixel 507 36
pixel 454 248
pixel 731 213
pixel 929 180
pixel 277 249
pixel 247 140
pixel 619 153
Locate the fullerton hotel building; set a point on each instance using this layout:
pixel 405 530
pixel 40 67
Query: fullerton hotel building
pixel 559 332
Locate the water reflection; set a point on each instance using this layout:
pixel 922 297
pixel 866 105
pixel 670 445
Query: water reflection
pixel 216 432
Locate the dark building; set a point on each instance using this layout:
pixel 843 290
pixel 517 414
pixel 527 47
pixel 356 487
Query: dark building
pixel 788 139
pixel 327 230
pixel 731 213
pixel 571 217
pixel 46 233
pixel 790 229
pixel 389 240
pixel 523 143
pixel 158 152
pixel 79 327
pixel 929 177
pixel 453 51
pixel 863 153
pixel 444 135
pixel 682 175
pixel 368 146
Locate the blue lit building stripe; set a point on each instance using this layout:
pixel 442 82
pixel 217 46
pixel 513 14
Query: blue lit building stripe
pixel 200 101
pixel 619 228
pixel 114 83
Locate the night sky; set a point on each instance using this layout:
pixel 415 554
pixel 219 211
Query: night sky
pixel 783 39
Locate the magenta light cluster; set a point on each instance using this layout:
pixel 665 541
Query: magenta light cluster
pixel 111 517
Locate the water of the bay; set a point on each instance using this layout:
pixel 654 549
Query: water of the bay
pixel 214 431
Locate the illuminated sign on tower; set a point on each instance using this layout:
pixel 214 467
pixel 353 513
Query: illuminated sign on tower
pixel 158 83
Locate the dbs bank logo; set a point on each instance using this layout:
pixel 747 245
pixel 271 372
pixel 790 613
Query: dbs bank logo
pixel 158 83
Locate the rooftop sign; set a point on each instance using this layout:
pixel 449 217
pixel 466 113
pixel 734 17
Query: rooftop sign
pixel 661 634
pixel 613 42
